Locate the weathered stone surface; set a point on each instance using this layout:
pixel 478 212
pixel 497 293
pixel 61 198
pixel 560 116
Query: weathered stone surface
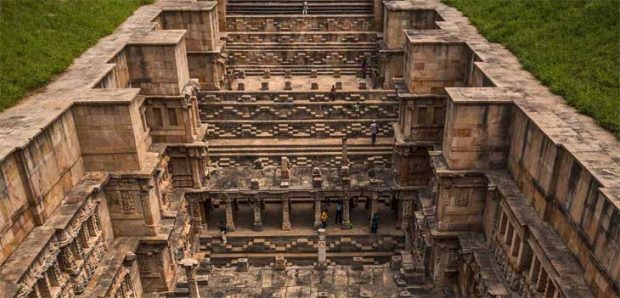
pixel 124 169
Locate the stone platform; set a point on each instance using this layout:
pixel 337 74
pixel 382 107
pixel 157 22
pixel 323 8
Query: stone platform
pixel 307 282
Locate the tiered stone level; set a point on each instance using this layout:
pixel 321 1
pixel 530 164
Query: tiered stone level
pixel 115 180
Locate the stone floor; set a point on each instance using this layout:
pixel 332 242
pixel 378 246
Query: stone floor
pixel 306 282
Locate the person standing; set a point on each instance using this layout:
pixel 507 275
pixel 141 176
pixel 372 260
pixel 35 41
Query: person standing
pixel 364 67
pixel 374 129
pixel 374 223
pixel 332 93
pixel 324 218
pixel 223 231
pixel 356 109
pixel 338 213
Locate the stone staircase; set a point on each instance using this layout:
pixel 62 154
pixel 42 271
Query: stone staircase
pixel 300 152
pixel 279 104
pixel 301 250
pixel 243 127
pixel 296 7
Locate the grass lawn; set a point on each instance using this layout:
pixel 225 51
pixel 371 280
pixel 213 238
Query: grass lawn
pixel 572 46
pixel 40 38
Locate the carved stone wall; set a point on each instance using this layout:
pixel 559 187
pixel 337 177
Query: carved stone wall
pixel 290 23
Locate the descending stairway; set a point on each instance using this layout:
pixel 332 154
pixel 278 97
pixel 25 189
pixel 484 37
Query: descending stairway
pixel 301 249
pixel 270 43
pixel 296 7
pixel 306 126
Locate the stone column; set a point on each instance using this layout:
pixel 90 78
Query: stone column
pixel 149 219
pixel 345 155
pixel 190 271
pixel 92 226
pixel 286 220
pixel 44 287
pixel 68 259
pixel 230 220
pixel 346 217
pixel 187 121
pixel 198 162
pixel 83 236
pixel 196 213
pixel 317 209
pixel 373 206
pixel 322 251
pixel 258 224
pixel 403 165
pixel 56 275
pixel 405 211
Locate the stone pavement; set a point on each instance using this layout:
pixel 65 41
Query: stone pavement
pixel 305 281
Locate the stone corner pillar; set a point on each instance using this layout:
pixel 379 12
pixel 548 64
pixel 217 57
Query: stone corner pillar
pixel 286 210
pixel 317 209
pixel 230 220
pixel 346 211
pixel 258 224
pixel 151 220
pixel 190 265
pixel 322 251
pixel 406 204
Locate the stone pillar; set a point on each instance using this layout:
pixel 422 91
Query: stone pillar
pixel 198 157
pixel 196 213
pixel 284 173
pixel 187 121
pixel 190 271
pixel 346 217
pixel 378 15
pixel 403 165
pixel 405 212
pixel 230 221
pixel 67 257
pixel 83 236
pixel 322 251
pixel 317 209
pixel 44 287
pixel 286 221
pixel 374 206
pixel 149 218
pixel 56 275
pixel 345 153
pixel 258 224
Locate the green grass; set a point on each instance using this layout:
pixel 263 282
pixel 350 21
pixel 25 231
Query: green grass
pixel 40 38
pixel 572 46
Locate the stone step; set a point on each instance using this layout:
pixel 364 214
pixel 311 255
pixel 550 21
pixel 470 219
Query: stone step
pixel 381 159
pixel 317 111
pixel 224 151
pixel 295 96
pixel 297 7
pixel 300 152
pixel 298 144
pixel 303 128
pixel 299 23
pixel 301 259
pixel 252 38
pixel 299 46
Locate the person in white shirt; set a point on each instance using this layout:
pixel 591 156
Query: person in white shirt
pixel 374 129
